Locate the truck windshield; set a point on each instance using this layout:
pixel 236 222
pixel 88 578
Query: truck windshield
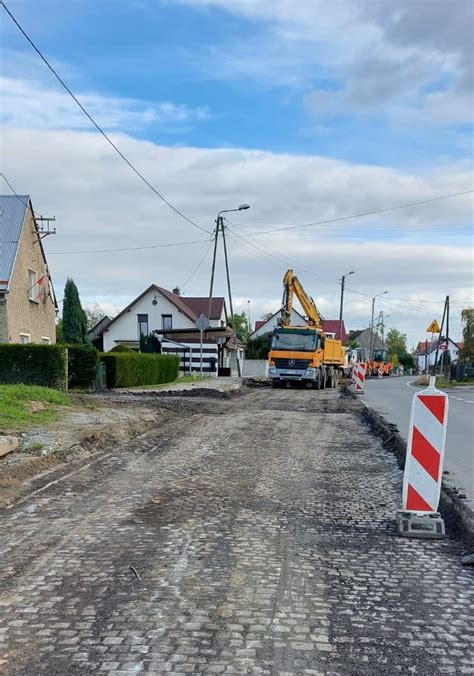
pixel 380 355
pixel 294 340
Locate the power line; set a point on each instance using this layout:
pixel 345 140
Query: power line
pixel 361 215
pixel 98 127
pixel 276 255
pixel 25 204
pixel 197 266
pixel 278 258
pixel 128 248
pixel 268 257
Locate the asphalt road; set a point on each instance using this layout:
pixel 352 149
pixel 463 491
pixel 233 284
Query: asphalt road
pixel 392 398
pixel 246 535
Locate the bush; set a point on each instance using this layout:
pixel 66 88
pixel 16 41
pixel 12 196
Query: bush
pixel 33 365
pixel 83 361
pixel 127 370
pixel 258 348
pixel 122 348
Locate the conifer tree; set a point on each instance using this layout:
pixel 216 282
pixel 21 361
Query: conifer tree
pixel 74 325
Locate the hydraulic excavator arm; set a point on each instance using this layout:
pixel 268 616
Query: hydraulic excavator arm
pixel 292 287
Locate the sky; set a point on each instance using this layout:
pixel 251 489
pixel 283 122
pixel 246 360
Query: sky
pixel 307 110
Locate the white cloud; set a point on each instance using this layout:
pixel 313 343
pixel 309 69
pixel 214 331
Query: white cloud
pixel 100 204
pixel 406 58
pixel 31 103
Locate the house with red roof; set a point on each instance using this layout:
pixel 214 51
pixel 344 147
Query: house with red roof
pixel 330 326
pixel 172 318
pixel 427 351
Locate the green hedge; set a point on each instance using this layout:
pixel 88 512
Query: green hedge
pixel 83 361
pixel 125 369
pixel 33 365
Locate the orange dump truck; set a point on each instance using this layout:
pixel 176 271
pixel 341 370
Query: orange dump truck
pixel 303 353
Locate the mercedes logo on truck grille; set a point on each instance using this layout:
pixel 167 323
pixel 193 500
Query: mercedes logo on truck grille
pixel 291 362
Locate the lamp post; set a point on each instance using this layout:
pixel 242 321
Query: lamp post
pixel 220 226
pixel 371 349
pixel 343 280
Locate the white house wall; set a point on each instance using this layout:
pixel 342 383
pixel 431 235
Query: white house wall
pixel 453 351
pixel 272 323
pixel 126 326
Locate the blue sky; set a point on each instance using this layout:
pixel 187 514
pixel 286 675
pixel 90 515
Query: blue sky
pixel 308 109
pixel 195 55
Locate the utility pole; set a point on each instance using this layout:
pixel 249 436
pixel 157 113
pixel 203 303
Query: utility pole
pixel 343 281
pixel 447 339
pixel 216 236
pixel 383 317
pixel 220 227
pixel 446 307
pixel 229 291
pixel 371 345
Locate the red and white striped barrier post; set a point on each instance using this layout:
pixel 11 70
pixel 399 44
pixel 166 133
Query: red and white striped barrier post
pixel 380 372
pixel 360 377
pixel 424 465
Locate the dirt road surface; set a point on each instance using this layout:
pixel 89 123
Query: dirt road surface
pixel 261 533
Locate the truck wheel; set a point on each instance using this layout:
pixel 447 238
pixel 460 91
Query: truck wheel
pixel 324 375
pixel 317 383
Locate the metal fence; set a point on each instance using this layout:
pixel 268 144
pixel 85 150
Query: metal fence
pixel 462 372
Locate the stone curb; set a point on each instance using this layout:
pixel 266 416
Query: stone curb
pixel 454 509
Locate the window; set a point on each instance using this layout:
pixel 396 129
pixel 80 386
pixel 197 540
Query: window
pixel 167 322
pixel 32 286
pixel 45 340
pixel 24 338
pixel 142 325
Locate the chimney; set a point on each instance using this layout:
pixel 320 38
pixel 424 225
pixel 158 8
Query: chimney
pixel 177 291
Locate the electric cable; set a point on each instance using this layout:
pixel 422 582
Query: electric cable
pixel 98 127
pixel 197 266
pixel 127 248
pixel 362 214
pixel 25 204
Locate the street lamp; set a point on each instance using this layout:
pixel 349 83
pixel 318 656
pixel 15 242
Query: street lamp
pixel 220 226
pixel 371 349
pixel 343 279
pixel 226 211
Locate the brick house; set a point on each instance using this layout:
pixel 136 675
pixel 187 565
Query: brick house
pixel 27 301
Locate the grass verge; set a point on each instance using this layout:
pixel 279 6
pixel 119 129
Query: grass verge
pixel 15 407
pixel 442 383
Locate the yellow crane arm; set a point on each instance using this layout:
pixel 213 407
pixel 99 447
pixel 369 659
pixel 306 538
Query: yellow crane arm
pixel 291 287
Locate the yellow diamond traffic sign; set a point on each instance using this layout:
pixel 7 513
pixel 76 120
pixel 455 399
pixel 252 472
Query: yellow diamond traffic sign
pixel 433 327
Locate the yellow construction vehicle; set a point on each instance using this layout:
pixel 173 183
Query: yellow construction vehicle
pixel 303 354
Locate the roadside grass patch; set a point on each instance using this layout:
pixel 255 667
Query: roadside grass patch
pixel 15 410
pixel 36 446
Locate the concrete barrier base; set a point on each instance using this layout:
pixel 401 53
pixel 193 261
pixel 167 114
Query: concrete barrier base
pixel 412 525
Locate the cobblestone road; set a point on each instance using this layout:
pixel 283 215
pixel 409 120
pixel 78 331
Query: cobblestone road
pixel 262 529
